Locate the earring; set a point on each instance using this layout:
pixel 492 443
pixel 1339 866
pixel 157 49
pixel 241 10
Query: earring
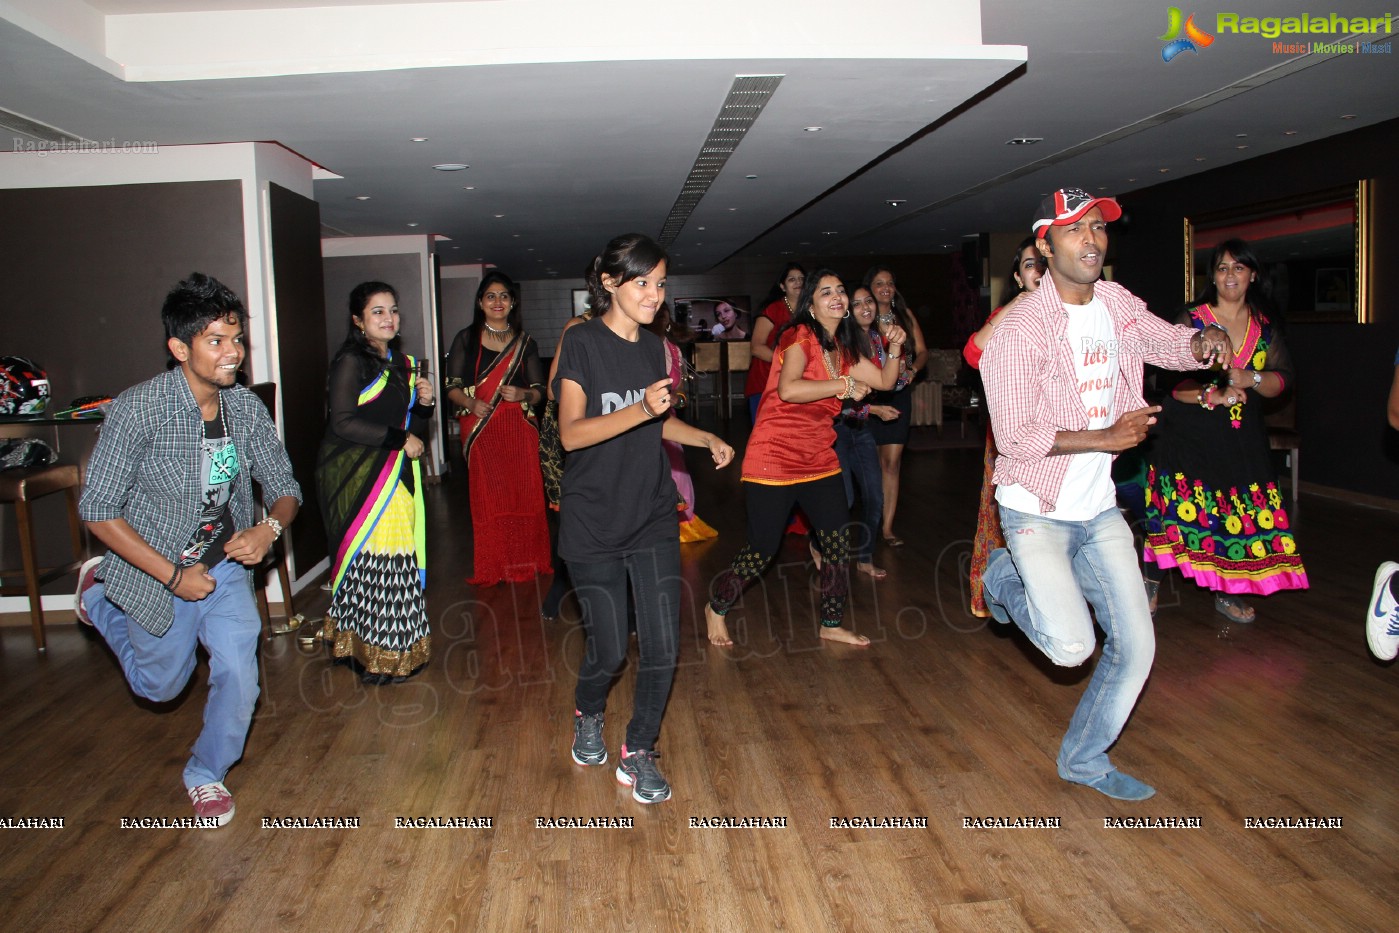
pixel 847 313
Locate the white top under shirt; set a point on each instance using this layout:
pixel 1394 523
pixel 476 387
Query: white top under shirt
pixel 1088 489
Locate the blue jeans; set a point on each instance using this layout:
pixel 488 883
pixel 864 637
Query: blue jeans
pixel 652 578
pixel 227 623
pixel 1041 584
pixel 859 465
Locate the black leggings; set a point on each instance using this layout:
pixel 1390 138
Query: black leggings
pixel 823 501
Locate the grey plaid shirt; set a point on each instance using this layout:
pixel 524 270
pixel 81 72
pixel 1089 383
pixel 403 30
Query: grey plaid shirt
pixel 145 469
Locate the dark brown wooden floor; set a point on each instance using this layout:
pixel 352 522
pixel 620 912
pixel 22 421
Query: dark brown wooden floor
pixel 942 718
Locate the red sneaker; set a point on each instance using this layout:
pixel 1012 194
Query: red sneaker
pixel 212 802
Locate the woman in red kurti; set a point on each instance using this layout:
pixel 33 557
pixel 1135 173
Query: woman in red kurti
pixel 781 300
pixel 822 358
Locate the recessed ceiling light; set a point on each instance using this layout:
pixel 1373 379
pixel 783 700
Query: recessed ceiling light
pixel 811 129
pixel 1024 140
pixel 412 225
pixel 1199 158
pixel 1163 170
pixel 417 139
pixel 733 209
pixel 1289 132
pixel 1347 116
pixel 1131 179
pixel 498 216
pixel 1241 136
pixel 1240 147
pixel 451 166
pixel 468 187
pixel 895 202
pixel 515 235
pixel 360 197
pixel 828 232
pixel 750 177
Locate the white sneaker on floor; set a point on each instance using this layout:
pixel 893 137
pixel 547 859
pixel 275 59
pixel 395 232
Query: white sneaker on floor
pixel 87 576
pixel 1382 617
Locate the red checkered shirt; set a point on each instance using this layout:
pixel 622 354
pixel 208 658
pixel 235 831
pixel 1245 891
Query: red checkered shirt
pixel 1031 382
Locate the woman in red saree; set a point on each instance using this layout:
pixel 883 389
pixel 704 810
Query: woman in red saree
pixel 371 495
pixel 494 377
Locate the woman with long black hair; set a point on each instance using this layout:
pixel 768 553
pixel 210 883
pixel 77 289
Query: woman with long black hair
pixel 822 359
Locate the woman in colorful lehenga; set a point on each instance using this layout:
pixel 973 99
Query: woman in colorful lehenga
pixel 371 494
pixel 494 377
pixel 692 527
pixel 1213 509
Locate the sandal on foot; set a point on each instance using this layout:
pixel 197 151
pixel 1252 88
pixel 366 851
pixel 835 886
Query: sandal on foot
pixel 1233 609
pixel 1153 592
pixel 878 573
pixel 893 541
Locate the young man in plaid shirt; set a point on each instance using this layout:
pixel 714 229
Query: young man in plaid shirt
pixel 1063 376
pixel 169 492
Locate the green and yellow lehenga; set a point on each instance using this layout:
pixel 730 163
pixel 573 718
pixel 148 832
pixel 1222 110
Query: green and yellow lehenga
pixel 371 499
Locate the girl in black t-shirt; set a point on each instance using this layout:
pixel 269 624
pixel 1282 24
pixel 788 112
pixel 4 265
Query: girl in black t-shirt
pixel 618 527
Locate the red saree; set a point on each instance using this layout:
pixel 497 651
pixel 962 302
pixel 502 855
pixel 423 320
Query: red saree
pixel 511 536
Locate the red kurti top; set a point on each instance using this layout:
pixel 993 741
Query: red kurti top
pixel 794 442
pixel 758 369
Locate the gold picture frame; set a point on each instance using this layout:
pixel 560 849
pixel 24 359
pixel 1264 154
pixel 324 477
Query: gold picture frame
pixel 1300 238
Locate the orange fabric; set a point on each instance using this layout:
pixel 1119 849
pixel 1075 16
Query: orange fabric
pixel 793 443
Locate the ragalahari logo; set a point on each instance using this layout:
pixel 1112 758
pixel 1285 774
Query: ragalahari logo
pixel 1193 40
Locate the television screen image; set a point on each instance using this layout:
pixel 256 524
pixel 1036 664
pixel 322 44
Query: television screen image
pixel 729 318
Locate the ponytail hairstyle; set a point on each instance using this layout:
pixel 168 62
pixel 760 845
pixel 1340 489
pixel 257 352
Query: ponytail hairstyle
pixel 356 345
pixel 627 257
pixel 849 337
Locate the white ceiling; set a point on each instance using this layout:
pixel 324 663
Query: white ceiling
pixel 581 120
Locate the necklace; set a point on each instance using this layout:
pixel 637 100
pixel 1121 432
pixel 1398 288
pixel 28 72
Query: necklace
pixel 498 334
pixel 831 368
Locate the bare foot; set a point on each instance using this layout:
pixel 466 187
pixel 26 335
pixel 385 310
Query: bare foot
pixel 815 554
pixel 718 629
pixel 842 634
pixel 877 572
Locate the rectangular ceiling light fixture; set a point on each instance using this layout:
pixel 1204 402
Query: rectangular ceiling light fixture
pixel 746 100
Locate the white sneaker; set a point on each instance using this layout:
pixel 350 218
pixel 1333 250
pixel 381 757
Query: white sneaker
pixel 1382 619
pixel 87 576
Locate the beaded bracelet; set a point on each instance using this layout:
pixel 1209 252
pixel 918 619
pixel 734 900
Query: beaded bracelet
pixel 1205 403
pixel 175 577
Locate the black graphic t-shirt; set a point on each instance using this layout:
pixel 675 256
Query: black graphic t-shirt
pixel 218 464
pixel 618 496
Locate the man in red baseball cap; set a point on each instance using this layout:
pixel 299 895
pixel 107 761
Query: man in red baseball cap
pixel 1063 375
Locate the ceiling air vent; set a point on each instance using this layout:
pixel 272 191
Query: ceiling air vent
pixel 747 98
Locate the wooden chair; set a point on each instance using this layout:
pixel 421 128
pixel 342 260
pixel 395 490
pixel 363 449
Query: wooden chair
pixel 705 363
pixel 267 394
pixel 20 488
pixel 1281 418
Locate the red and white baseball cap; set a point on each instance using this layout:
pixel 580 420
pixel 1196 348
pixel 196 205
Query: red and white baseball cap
pixel 1069 204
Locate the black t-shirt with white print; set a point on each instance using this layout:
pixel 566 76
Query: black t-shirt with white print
pixel 218 465
pixel 618 496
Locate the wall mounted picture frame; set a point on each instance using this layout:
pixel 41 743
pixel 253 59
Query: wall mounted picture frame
pixel 580 301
